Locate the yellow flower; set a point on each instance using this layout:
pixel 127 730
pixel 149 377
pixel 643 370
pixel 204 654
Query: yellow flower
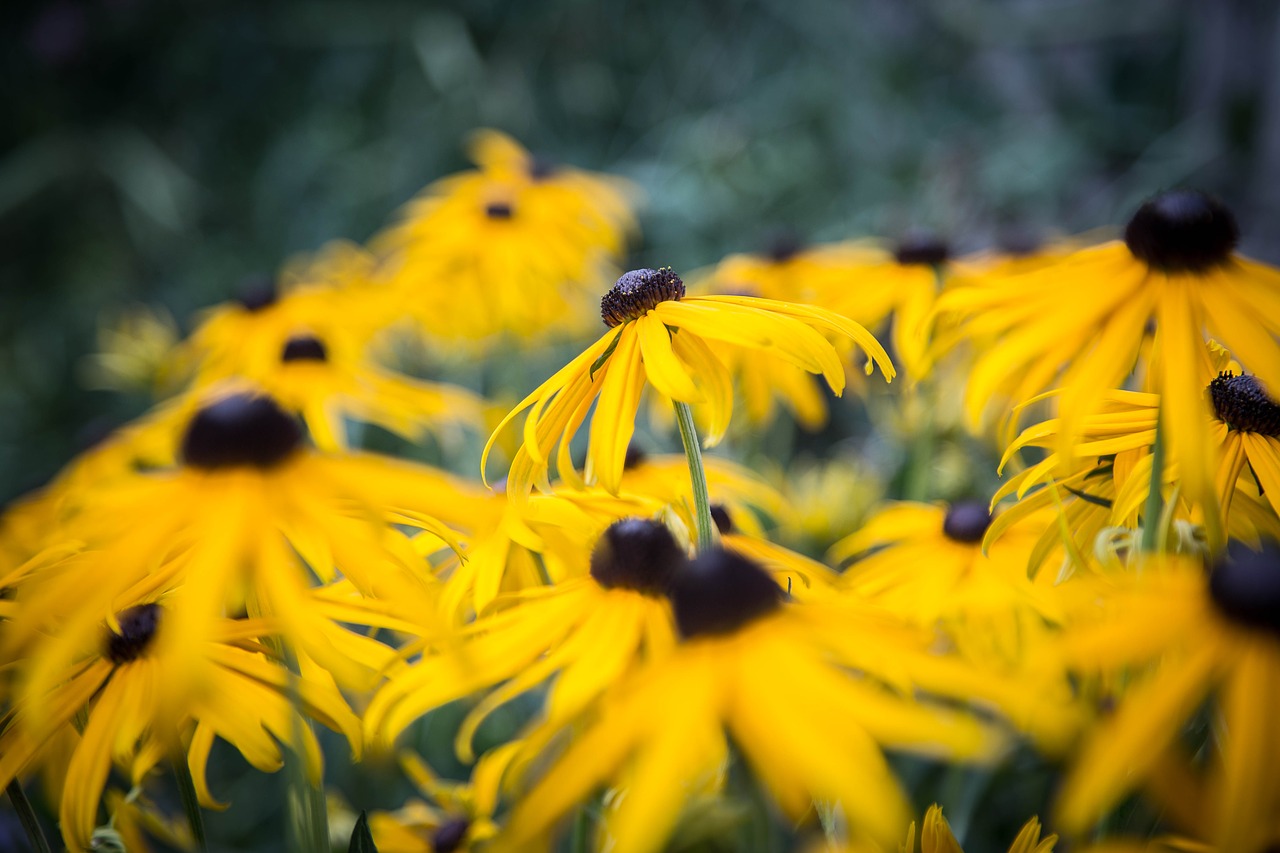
pixel 249 521
pixel 309 348
pixel 926 563
pixel 1081 324
pixel 772 675
pixel 660 337
pixel 1197 638
pixel 510 249
pixel 134 352
pixel 590 630
pixel 124 690
pixel 448 817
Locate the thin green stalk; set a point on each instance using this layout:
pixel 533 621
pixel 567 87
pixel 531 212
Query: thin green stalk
pixel 580 840
pixel 308 811
pixel 706 528
pixel 190 802
pixel 27 816
pixel 1155 496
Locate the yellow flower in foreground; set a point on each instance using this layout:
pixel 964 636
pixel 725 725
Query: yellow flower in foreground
pixel 512 248
pixel 1199 638
pixel 774 675
pixel 123 689
pixel 658 336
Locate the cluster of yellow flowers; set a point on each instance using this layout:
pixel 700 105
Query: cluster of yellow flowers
pixel 230 567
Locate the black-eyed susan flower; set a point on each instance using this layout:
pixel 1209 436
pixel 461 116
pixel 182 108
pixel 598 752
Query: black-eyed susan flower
pixel 125 693
pixel 251 520
pixel 1082 324
pixel 589 630
pixel 767 672
pixel 1185 637
pixel 659 336
pixel 926 563
pixel 446 817
pixel 509 249
pixel 309 347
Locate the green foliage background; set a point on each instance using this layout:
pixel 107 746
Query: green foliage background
pixel 162 152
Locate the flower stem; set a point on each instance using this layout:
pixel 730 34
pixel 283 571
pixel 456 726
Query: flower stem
pixel 27 816
pixel 1155 497
pixel 706 528
pixel 190 802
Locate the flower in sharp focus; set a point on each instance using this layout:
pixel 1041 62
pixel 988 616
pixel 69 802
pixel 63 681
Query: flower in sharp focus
pixel 124 691
pixel 659 336
pixel 512 248
pixel 1082 324
pixel 770 674
pixel 1184 637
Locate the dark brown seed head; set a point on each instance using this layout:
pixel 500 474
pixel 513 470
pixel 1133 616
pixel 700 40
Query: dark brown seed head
pixel 966 522
pixel 137 627
pixel 499 210
pixel 783 246
pixel 720 592
pixel 635 457
pixel 256 292
pixel 637 554
pixel 449 835
pixel 1241 403
pixel 1245 585
pixel 637 292
pixel 243 429
pixel 1182 231
pixel 922 249
pixel 541 168
pixel 304 348
pixel 724 521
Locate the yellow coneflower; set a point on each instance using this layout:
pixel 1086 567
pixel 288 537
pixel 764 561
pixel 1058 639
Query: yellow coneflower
pixel 448 817
pixel 251 519
pixel 1185 637
pixel 926 563
pixel 1081 324
pixel 770 674
pixel 657 335
pixel 509 249
pixel 125 691
pixel 309 348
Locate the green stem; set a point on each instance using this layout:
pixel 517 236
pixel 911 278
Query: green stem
pixel 706 528
pixel 1155 496
pixel 27 816
pixel 190 802
pixel 308 811
pixel 580 840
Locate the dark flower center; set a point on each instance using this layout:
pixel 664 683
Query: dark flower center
pixel 1245 585
pixel 304 348
pixel 784 246
pixel 967 522
pixel 719 592
pixel 498 210
pixel 449 835
pixel 1182 231
pixel 1018 241
pixel 921 249
pixel 243 429
pixel 256 292
pixel 637 292
pixel 1241 404
pixel 541 168
pixel 638 554
pixel 720 515
pixel 137 627
pixel 635 457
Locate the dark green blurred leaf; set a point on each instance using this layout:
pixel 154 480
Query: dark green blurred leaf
pixel 361 838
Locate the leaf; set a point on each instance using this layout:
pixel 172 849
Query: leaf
pixel 361 838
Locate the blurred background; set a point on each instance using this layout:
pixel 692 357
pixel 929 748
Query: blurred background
pixel 163 152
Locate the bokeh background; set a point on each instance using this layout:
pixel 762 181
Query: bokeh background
pixel 161 152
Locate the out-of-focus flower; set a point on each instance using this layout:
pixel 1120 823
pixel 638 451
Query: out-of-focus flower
pixel 134 352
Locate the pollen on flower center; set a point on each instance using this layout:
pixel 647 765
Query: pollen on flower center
pixel 1245 585
pixel 638 291
pixel 137 627
pixel 1241 403
pixel 304 348
pixel 921 249
pixel 966 522
pixel 449 835
pixel 638 554
pixel 242 429
pixel 1182 231
pixel 719 592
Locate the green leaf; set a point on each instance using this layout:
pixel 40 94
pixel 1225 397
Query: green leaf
pixel 361 838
